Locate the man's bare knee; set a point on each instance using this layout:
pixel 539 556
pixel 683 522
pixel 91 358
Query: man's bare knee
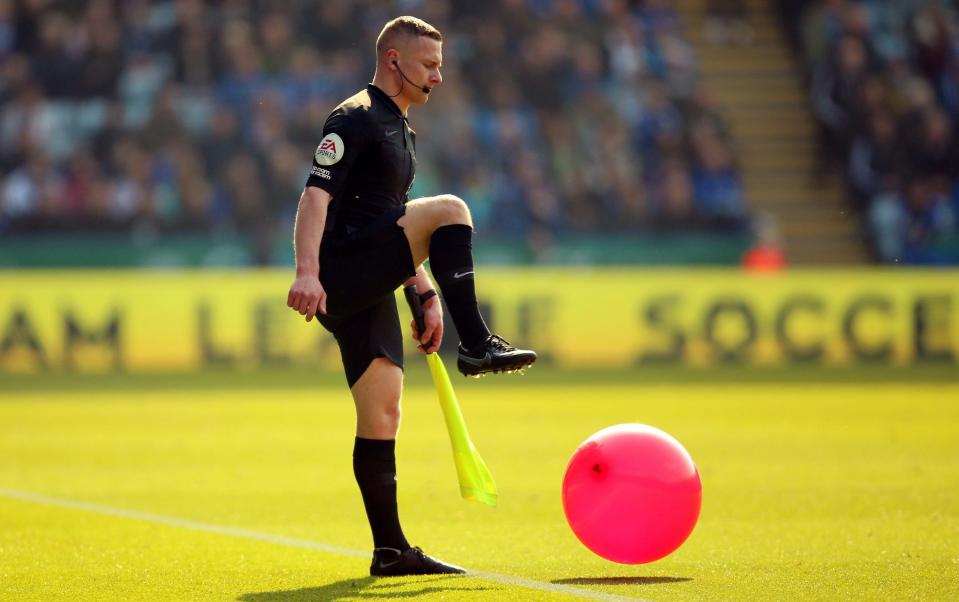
pixel 390 416
pixel 453 211
pixel 377 398
pixel 380 420
pixel 424 216
pixel 460 211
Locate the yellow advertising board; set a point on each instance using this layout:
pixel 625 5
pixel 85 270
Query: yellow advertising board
pixel 575 317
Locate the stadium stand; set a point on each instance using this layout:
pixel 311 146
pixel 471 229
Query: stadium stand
pixel 884 87
pixel 180 132
pixel 751 71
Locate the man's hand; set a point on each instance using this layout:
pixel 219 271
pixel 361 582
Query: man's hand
pixel 307 296
pixel 432 336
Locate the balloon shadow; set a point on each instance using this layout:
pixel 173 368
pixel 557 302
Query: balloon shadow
pixel 364 587
pixel 638 580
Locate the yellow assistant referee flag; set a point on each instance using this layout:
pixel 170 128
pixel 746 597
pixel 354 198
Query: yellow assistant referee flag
pixel 476 482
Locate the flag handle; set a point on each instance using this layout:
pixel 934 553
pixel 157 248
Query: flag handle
pixel 416 307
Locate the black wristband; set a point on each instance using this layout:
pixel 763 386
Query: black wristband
pixel 427 295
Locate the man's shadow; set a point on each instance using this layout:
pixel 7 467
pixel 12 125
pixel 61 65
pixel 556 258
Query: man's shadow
pixel 363 587
pixel 638 580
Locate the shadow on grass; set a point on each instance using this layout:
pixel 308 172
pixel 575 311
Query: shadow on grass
pixel 364 587
pixel 639 580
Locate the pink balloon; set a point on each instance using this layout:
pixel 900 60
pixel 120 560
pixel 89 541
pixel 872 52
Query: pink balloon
pixel 632 493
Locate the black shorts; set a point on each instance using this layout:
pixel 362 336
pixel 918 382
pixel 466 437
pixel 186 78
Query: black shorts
pixel 360 273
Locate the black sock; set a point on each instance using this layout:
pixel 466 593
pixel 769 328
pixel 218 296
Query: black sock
pixel 374 465
pixel 451 261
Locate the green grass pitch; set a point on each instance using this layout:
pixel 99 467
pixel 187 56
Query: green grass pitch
pixel 828 491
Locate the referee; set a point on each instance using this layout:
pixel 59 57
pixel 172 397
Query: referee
pixel 358 237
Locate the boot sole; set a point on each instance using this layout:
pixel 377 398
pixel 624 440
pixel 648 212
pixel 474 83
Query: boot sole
pixel 519 365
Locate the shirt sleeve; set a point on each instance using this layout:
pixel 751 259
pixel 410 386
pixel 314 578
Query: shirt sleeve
pixel 344 136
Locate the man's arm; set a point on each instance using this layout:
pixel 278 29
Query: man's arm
pixel 421 280
pixel 432 337
pixel 306 293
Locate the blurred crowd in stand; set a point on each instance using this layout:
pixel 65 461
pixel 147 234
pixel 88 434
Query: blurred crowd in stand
pixel 727 22
pixel 555 117
pixel 884 81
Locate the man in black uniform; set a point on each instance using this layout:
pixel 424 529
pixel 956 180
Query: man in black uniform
pixel 357 238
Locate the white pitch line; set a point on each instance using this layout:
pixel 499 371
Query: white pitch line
pixel 172 521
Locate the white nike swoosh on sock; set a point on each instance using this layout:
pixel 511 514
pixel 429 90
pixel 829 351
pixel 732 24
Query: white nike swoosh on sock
pixel 457 275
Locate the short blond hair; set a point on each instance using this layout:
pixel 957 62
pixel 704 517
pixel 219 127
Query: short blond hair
pixel 404 27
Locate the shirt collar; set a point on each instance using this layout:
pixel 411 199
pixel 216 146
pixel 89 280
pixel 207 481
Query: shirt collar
pixel 374 91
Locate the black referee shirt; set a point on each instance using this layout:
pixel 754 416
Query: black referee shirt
pixel 366 160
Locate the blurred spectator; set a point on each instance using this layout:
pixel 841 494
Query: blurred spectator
pixel 330 25
pixel 674 202
pixel 83 175
pixel 821 24
pixel 243 195
pixel 934 33
pixel 836 89
pixel 885 89
pixel 32 192
pixel 132 187
pixel 909 226
pixel 716 186
pixel 727 22
pixel 8 28
pixel 55 64
pixel 875 161
pixel 555 118
pixel 195 62
pixel 933 152
pixel 766 253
